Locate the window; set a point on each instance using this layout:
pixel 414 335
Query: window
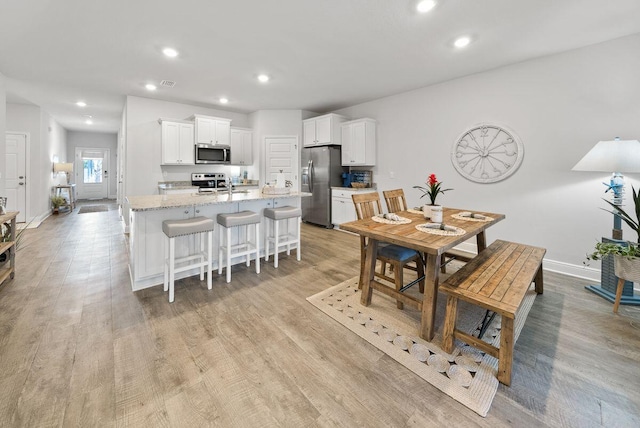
pixel 92 170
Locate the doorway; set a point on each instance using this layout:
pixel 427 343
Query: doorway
pixel 17 186
pixel 281 154
pixel 92 173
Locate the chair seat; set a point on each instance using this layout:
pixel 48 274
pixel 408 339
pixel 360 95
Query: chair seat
pixel 173 228
pixel 238 219
pixel 282 213
pixel 396 252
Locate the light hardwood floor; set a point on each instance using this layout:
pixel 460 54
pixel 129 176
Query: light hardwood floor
pixel 79 348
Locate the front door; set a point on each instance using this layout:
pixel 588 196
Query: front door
pixel 92 173
pixel 16 178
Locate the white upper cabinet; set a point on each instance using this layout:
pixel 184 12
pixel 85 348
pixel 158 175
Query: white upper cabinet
pixel 212 130
pixel 359 142
pixel 177 142
pixel 241 146
pixel 322 130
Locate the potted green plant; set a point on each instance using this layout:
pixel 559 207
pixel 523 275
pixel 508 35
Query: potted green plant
pixel 432 190
pixel 626 258
pixel 57 202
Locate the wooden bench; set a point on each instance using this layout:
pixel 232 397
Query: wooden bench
pixel 497 280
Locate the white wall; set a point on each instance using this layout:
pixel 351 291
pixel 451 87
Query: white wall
pixel 272 123
pixel 3 141
pixel 560 106
pixel 96 140
pixel 47 140
pixel 143 149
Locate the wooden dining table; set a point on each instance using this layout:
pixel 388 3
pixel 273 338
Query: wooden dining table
pixel 432 246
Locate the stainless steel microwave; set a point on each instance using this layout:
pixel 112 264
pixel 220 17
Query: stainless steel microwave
pixel 213 153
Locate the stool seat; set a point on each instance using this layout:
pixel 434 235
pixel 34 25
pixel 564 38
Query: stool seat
pixel 282 212
pixel 201 226
pixel 173 228
pixel 238 219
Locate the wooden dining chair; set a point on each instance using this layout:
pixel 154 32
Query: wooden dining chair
pixel 368 205
pixel 396 202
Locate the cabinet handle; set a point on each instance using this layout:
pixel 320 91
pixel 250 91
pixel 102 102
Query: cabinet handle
pixel 186 211
pixel 197 211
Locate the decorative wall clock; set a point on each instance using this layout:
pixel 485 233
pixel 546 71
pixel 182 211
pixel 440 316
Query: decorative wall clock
pixel 487 153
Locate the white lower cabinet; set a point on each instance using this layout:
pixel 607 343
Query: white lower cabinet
pixel 342 207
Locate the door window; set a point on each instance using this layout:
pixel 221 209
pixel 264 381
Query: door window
pixel 92 170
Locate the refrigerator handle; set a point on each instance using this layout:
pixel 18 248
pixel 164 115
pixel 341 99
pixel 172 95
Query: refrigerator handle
pixel 310 165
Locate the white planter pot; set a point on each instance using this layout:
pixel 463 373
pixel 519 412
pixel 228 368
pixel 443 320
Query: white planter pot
pixel 628 269
pixel 434 214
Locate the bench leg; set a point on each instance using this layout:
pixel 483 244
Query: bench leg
pixel 505 354
pixel 538 280
pixel 449 324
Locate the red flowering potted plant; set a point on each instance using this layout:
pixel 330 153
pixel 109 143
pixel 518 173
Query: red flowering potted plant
pixel 432 190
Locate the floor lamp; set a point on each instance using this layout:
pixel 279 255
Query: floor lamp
pixel 617 156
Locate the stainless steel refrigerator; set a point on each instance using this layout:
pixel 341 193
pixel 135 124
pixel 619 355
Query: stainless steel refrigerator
pixel 321 170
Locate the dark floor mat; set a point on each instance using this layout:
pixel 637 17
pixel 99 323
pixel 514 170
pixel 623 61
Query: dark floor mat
pixel 93 209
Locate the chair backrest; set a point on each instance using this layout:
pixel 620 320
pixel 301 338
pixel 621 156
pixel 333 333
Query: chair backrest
pixel 367 204
pixel 395 200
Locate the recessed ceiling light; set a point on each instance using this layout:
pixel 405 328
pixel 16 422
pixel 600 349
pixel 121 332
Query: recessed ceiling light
pixel 425 6
pixel 224 100
pixel 81 104
pixel 462 42
pixel 263 78
pixel 170 52
pixel 89 122
pixel 150 87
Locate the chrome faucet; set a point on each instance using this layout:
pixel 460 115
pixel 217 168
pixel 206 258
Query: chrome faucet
pixel 230 186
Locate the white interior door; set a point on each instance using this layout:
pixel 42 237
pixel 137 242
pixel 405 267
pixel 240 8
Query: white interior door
pixel 91 171
pixel 16 175
pixel 282 155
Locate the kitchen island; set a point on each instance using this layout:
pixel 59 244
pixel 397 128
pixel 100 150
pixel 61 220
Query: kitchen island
pixel 147 241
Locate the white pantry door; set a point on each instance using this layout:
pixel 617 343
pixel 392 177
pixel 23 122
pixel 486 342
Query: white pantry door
pixel 16 175
pixel 282 155
pixel 91 171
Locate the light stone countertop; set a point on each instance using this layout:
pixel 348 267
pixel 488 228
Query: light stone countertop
pixel 158 202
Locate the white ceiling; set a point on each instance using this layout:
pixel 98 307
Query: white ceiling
pixel 322 54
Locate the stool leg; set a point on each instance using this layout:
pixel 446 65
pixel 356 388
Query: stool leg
pixel 276 246
pixel 166 263
pixel 267 226
pixel 258 248
pixel 247 245
pixel 299 223
pixel 288 223
pixel 209 257
pixel 172 268
pixel 201 239
pixel 220 242
pixel 228 264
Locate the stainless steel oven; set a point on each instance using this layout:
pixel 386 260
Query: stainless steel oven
pixel 213 153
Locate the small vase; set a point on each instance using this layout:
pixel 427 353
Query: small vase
pixel 436 214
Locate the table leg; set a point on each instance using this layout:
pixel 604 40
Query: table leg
pixel 430 297
pixel 369 272
pixel 481 241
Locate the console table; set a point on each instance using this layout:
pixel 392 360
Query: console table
pixel 9 267
pixel 71 193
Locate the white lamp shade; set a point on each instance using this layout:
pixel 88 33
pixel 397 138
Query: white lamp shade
pixel 62 167
pixel 612 156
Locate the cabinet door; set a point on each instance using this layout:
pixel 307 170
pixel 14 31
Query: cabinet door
pixel 346 132
pixel 222 132
pixel 358 145
pixel 247 148
pixel 236 143
pixel 170 143
pixel 205 130
pixel 309 133
pixel 323 130
pixel 187 148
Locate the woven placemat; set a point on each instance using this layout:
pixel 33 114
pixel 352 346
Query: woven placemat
pixel 414 211
pixel 459 216
pixel 402 220
pixel 457 232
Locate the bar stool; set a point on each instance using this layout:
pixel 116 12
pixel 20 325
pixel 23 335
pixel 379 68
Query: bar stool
pixel 274 216
pixel 175 228
pixel 247 248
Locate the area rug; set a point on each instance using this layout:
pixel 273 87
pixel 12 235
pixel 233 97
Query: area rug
pixel 466 375
pixel 93 209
